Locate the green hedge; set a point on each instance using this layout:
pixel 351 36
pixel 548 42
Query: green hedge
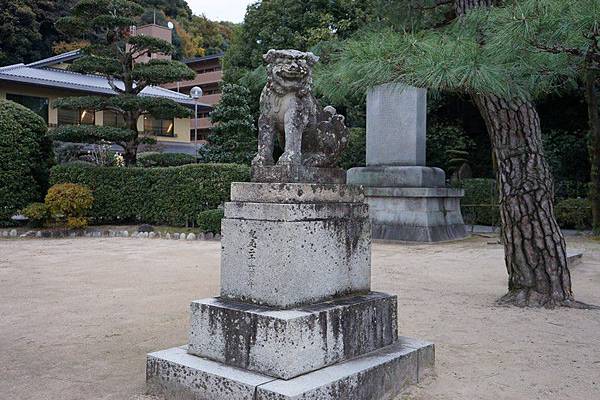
pixel 171 196
pixel 480 204
pixel 153 159
pixel 574 213
pixel 210 221
pixel 25 154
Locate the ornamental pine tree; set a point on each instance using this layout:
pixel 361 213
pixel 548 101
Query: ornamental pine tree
pixel 463 53
pixel 568 33
pixel 113 53
pixel 234 135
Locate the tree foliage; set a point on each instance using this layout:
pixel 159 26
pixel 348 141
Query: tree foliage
pixel 27 29
pixel 290 24
pixel 234 135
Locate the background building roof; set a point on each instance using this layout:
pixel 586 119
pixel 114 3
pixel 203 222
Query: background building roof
pixel 42 74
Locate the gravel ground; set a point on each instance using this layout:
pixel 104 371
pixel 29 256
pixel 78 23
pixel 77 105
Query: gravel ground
pixel 77 317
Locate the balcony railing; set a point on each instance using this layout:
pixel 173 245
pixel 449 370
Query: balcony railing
pixel 201 79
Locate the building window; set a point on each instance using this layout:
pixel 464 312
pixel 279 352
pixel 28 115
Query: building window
pixel 212 91
pixel 159 127
pixel 113 118
pixel 76 117
pixel 204 114
pixel 38 105
pixel 203 134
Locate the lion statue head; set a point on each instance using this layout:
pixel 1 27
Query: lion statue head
pixel 290 71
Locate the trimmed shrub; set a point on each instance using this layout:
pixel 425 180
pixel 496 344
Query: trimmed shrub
pixel 355 153
pixel 154 159
pixel 571 189
pixel 37 213
pixel 169 196
pixel 25 155
pixel 574 213
pixel 480 204
pixel 69 203
pixel 210 220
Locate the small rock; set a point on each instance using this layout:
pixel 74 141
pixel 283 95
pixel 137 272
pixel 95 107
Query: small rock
pixel 168 236
pixel 73 234
pixel 125 233
pixel 176 236
pixel 209 236
pixel 182 236
pixel 217 236
pixel 191 236
pixel 28 234
pixel 151 235
pixel 13 233
pixel 38 234
pixel 145 228
pixel 4 233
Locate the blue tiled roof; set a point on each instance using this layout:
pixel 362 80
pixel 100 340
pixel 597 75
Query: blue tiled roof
pixel 39 73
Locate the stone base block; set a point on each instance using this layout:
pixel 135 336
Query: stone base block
pixel 284 245
pixel 397 176
pixel 410 203
pixel 289 343
pixel 295 193
pixel 298 174
pixel 379 375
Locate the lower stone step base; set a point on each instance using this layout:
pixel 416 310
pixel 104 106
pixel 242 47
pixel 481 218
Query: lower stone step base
pixel 380 375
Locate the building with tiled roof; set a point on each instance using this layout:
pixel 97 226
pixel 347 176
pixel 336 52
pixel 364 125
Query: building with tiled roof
pixel 37 85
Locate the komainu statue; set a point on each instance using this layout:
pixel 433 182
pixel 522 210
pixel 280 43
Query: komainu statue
pixel 310 136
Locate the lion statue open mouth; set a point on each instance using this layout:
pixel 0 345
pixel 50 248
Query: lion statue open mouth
pixel 311 137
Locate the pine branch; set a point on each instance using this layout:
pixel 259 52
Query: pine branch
pixel 437 4
pixel 556 49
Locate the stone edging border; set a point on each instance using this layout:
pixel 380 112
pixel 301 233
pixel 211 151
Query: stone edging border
pixel 96 233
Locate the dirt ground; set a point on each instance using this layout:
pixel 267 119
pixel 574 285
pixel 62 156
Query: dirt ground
pixel 77 317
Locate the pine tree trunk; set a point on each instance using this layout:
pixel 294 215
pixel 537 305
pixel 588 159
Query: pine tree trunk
pixel 463 6
pixel 534 247
pixel 130 148
pixel 591 95
pixel 130 154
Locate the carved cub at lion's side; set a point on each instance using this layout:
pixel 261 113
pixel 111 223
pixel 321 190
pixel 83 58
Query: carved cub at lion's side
pixel 310 136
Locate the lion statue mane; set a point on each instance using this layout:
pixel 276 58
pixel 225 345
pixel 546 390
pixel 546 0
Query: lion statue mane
pixel 310 136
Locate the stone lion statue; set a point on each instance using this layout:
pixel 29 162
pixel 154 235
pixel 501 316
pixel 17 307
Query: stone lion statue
pixel 310 136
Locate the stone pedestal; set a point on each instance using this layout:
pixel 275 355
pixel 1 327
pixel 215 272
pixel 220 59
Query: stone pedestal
pixel 296 318
pixel 411 203
pixel 407 201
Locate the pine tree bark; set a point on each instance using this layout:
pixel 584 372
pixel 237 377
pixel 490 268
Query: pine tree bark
pixel 534 247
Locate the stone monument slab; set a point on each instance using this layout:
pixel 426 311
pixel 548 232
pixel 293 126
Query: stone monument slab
pixel 396 123
pixel 407 200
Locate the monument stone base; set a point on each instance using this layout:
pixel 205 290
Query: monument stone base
pixel 410 203
pixel 382 374
pixel 296 318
